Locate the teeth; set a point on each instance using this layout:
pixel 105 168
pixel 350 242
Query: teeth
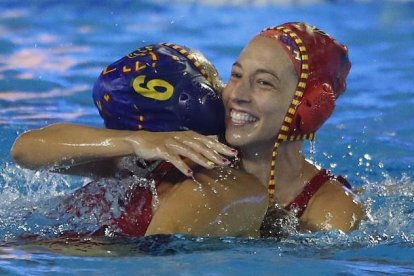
pixel 241 117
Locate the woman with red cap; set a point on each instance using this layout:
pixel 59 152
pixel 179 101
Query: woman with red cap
pixel 282 89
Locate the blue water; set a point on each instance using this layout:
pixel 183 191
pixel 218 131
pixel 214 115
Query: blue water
pixel 51 53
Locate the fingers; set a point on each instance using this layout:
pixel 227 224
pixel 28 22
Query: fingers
pixel 185 150
pixel 198 151
pixel 178 162
pixel 172 146
pixel 214 144
pixel 204 149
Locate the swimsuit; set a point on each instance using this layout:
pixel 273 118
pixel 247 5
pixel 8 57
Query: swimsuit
pixel 121 206
pixel 137 215
pixel 125 206
pixel 301 201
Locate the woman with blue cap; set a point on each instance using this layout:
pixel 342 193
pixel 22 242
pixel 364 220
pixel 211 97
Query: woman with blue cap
pixel 158 88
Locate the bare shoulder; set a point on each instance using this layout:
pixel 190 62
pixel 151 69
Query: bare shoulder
pixel 218 188
pixel 333 207
pixel 214 203
pixel 232 180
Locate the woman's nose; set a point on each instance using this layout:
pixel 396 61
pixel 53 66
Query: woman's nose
pixel 239 91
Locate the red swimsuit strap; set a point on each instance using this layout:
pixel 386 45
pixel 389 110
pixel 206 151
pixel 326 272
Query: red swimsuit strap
pixel 300 203
pixel 137 214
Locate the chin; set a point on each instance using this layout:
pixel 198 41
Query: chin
pixel 235 138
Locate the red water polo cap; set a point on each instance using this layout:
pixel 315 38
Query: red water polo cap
pixel 322 65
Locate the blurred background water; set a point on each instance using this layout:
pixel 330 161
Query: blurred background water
pixel 51 53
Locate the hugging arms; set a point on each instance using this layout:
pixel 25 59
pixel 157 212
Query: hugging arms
pixel 281 90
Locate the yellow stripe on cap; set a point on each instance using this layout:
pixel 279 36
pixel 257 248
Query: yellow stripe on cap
pixel 191 58
pixel 302 84
pixel 284 129
pixel 283 137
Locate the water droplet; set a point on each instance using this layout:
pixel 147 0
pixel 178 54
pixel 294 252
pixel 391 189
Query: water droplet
pixel 367 156
pixel 156 200
pixel 312 150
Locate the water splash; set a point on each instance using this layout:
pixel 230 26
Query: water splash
pixel 389 204
pixel 26 196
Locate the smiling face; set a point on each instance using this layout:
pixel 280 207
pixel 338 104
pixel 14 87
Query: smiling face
pixel 261 87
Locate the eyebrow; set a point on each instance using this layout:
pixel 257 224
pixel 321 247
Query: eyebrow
pixel 258 71
pixel 237 64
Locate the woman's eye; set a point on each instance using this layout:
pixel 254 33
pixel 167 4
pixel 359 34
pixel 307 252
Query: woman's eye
pixel 265 83
pixel 235 75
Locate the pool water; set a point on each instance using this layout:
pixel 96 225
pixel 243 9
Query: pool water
pixel 51 53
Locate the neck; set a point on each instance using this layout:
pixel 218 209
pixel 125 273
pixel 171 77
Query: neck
pixel 256 160
pixel 290 167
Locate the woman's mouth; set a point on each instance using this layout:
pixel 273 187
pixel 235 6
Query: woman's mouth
pixel 241 118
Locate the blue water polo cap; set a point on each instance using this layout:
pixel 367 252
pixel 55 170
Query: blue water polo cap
pixel 161 87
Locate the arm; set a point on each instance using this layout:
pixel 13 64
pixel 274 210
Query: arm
pixel 230 207
pixel 85 150
pixel 332 207
pixel 70 148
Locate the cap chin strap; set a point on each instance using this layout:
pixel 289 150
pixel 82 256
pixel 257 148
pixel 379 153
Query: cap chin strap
pixel 283 134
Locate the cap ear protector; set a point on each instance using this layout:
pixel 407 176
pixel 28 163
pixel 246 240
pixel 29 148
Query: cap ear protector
pixel 314 109
pixel 160 87
pixel 322 65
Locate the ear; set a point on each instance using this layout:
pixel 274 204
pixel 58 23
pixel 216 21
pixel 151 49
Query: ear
pixel 316 107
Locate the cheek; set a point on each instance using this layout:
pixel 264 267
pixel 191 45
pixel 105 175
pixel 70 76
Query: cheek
pixel 274 113
pixel 225 95
pixel 268 105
